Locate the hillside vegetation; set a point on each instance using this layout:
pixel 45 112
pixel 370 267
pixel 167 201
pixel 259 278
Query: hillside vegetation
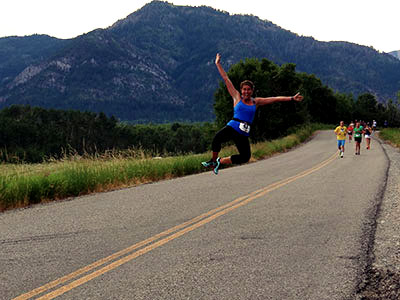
pixel 33 134
pixel 156 65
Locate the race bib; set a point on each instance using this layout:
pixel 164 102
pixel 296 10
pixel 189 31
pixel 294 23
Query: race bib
pixel 243 126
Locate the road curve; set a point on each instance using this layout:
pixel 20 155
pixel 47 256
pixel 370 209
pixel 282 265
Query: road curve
pixel 298 225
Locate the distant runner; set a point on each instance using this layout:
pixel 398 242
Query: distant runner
pixel 238 129
pixel 358 131
pixel 350 131
pixel 341 132
pixel 367 135
pixel 374 124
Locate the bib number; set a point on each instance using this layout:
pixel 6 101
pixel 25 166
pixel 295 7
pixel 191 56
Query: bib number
pixel 243 126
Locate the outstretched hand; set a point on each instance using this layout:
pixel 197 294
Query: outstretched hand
pixel 298 97
pixel 217 59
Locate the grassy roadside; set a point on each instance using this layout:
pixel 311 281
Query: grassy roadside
pixel 391 135
pixel 22 185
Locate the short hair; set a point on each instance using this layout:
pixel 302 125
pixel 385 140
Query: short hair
pixel 247 82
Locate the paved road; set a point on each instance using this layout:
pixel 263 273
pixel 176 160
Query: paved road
pixel 296 226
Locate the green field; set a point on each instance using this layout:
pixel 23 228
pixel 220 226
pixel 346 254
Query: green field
pixel 391 135
pixel 25 184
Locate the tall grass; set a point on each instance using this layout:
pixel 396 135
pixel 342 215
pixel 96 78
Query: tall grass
pixel 25 184
pixel 391 135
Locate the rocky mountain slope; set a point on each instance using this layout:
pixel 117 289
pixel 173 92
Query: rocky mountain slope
pixel 157 65
pixel 395 54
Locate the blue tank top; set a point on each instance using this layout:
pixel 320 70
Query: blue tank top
pixel 244 113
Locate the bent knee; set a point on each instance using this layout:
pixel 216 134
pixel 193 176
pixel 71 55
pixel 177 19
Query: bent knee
pixel 240 159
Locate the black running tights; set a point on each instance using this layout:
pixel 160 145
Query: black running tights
pixel 241 141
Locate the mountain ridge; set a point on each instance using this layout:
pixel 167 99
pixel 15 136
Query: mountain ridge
pixel 157 64
pixel 395 53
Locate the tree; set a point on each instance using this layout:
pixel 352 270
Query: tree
pixel 344 107
pixel 392 114
pixel 366 107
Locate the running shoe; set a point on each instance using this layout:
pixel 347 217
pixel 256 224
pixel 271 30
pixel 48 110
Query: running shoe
pixel 208 164
pixel 217 164
pixel 341 154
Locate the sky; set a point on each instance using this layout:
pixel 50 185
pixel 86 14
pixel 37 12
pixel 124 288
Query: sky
pixel 372 23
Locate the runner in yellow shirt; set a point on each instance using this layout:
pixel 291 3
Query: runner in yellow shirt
pixel 341 132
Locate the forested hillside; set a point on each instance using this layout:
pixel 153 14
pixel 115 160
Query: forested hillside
pixel 156 65
pixel 33 134
pixel 16 53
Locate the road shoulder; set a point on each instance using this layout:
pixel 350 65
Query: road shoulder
pixel 384 273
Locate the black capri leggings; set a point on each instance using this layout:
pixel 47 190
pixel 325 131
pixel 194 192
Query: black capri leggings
pixel 241 141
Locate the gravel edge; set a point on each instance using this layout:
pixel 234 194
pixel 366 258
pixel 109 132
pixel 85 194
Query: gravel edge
pixel 383 273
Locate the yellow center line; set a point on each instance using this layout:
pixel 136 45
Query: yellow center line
pixel 107 259
pixel 179 231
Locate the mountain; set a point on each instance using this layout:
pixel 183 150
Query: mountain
pixel 157 65
pixel 17 53
pixel 395 54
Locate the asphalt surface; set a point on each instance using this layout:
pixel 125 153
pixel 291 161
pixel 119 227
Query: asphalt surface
pixel 308 238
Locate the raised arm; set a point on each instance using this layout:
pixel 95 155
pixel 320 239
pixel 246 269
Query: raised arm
pixel 264 101
pixel 231 89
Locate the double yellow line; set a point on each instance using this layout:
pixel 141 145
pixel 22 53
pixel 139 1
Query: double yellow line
pixel 121 257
